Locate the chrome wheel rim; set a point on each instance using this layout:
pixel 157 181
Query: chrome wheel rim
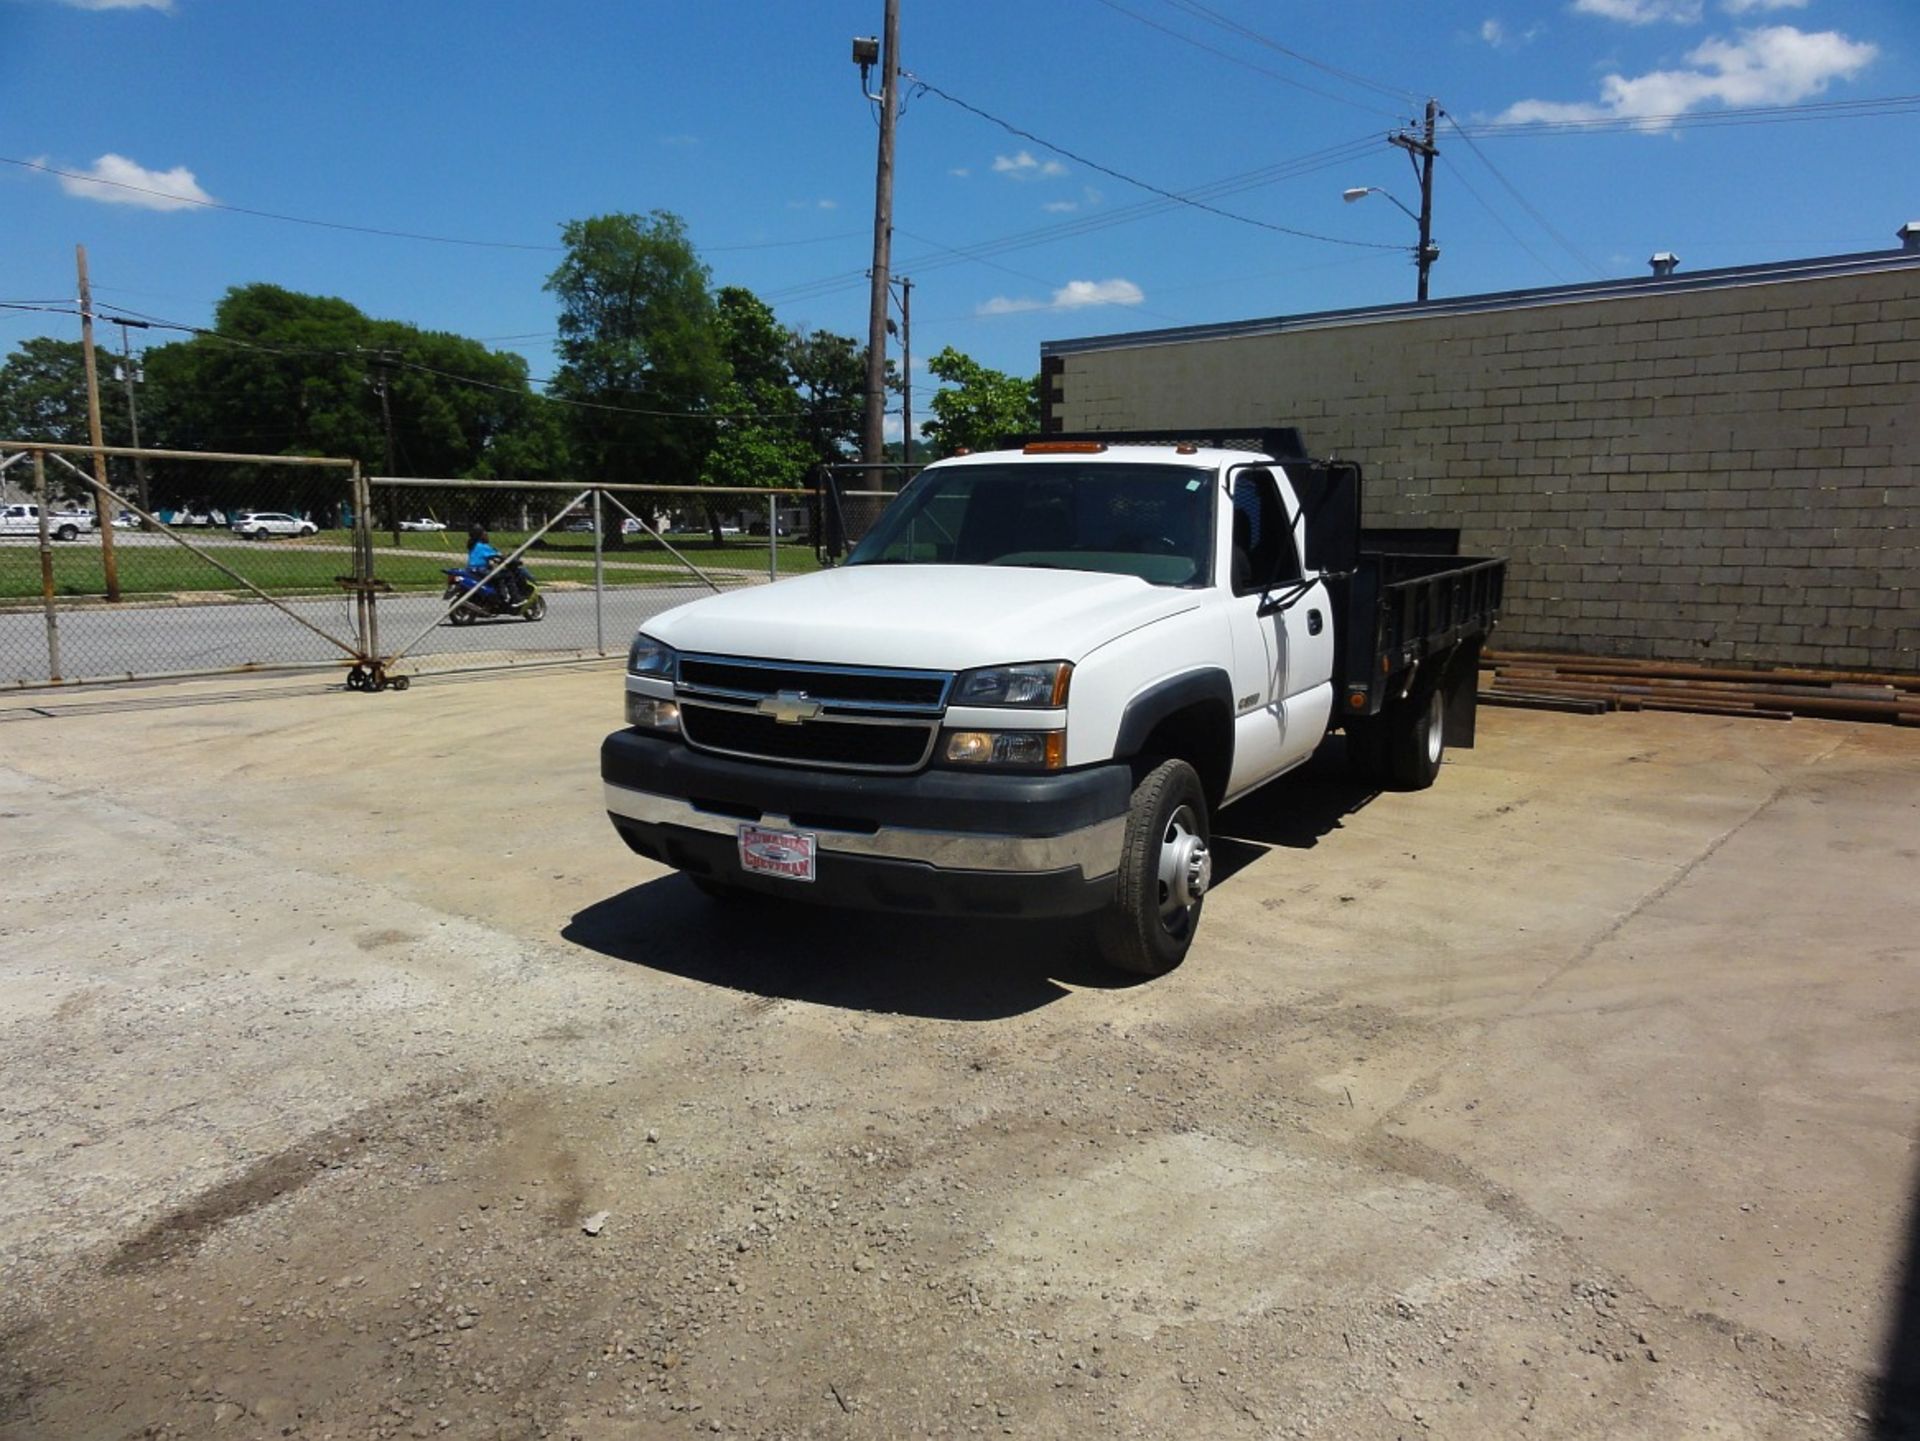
pixel 1185 870
pixel 1436 727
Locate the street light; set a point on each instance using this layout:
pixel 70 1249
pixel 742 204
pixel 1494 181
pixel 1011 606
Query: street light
pixel 1423 254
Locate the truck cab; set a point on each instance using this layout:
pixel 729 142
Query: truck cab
pixel 1026 692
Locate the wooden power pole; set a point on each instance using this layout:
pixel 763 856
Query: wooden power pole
pixel 1421 149
pixel 873 422
pixel 108 565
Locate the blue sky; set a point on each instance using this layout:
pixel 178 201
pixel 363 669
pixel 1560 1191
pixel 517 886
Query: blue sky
pixel 500 122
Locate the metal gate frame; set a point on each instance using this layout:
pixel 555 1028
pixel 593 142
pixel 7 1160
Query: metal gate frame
pixel 369 666
pixel 380 666
pixel 106 500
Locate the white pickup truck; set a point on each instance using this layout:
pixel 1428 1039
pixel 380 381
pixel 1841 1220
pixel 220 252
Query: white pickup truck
pixel 17 520
pixel 1037 679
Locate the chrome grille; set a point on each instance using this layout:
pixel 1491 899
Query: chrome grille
pixel 869 718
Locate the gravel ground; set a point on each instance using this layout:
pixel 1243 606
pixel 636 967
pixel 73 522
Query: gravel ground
pixel 1572 1098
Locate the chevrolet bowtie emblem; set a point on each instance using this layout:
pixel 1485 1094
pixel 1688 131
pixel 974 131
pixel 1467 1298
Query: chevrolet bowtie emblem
pixel 789 707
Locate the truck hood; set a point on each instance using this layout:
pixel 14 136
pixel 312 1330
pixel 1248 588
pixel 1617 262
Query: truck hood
pixel 933 617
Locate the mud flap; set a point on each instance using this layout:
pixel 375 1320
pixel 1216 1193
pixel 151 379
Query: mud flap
pixel 1461 679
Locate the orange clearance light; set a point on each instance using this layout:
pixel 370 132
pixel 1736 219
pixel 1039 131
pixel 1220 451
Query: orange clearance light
pixel 1056 750
pixel 1357 700
pixel 1184 448
pixel 961 450
pixel 1065 447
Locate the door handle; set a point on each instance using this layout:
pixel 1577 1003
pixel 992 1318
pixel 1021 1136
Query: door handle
pixel 1313 622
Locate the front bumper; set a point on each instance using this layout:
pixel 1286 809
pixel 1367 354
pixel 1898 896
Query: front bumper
pixel 937 842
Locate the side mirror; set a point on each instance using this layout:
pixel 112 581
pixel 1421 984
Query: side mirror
pixel 1271 604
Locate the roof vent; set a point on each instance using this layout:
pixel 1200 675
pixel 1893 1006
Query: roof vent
pixel 1909 235
pixel 1664 262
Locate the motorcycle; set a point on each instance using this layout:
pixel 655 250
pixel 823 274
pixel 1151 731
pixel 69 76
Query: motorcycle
pixel 491 597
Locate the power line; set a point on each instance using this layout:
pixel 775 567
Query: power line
pixel 1124 178
pixel 1087 224
pixel 1214 17
pixel 1498 219
pixel 1526 205
pixel 1242 61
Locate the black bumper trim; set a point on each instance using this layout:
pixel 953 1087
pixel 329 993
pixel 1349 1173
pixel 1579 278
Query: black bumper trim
pixel 937 800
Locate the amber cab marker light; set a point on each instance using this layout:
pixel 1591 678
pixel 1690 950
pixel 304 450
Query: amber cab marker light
pixel 1357 700
pixel 1185 449
pixel 1065 447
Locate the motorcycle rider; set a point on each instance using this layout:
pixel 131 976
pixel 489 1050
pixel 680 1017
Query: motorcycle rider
pixel 482 557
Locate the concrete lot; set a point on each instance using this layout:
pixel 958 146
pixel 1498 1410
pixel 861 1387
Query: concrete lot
pixel 1572 1098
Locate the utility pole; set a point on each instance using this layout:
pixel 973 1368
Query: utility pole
pixel 1421 150
pixel 906 371
pixel 381 363
pixel 108 564
pixel 873 422
pixel 133 411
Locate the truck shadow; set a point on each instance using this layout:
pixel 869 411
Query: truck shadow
pixel 938 968
pixel 1896 1401
pixel 1293 813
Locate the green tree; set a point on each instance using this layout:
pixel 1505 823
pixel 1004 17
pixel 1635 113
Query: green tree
pixel 639 348
pixel 282 373
pixel 977 406
pixel 829 376
pixel 43 396
pixel 761 441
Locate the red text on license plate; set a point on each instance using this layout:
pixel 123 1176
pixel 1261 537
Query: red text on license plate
pixel 788 854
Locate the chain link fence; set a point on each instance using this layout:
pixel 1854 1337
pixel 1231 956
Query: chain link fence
pixel 183 563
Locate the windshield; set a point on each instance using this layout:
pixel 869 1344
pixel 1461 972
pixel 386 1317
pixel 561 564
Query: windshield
pixel 1150 521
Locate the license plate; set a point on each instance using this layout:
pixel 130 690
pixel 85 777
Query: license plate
pixel 787 854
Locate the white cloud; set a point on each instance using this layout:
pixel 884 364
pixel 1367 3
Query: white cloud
pixel 1496 34
pixel 961 171
pixel 1024 165
pixel 1072 296
pixel 1060 207
pixel 813 205
pixel 107 179
pixel 1642 12
pixel 1748 7
pixel 1776 65
pixel 162 5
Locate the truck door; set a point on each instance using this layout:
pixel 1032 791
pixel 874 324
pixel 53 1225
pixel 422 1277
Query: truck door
pixel 1283 660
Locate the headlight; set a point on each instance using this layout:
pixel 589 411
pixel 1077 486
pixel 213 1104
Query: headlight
pixel 652 713
pixel 1041 685
pixel 649 657
pixel 1021 750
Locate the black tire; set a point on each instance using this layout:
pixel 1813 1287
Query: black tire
pixel 1417 739
pixel 66 532
pixel 1165 868
pixel 536 608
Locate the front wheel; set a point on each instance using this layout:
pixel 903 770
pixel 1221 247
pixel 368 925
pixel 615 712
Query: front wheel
pixel 1166 866
pixel 536 608
pixel 66 532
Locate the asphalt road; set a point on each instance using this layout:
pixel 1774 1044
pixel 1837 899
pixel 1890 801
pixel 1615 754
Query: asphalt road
pixel 157 640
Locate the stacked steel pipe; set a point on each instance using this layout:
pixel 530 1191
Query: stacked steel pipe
pixel 1593 684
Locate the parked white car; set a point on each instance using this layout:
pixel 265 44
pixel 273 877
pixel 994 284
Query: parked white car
pixel 424 523
pixel 265 524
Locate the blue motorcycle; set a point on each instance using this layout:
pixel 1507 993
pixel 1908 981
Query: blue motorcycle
pixel 503 591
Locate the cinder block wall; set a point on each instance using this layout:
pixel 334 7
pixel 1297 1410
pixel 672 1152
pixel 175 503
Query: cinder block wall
pixel 1725 475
